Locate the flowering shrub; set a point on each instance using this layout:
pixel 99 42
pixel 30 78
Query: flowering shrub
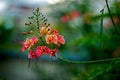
pixel 42 39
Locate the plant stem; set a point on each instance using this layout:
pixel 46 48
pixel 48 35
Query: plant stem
pixel 42 41
pixel 37 21
pixel 116 30
pixel 101 31
pixel 88 62
pixel 37 17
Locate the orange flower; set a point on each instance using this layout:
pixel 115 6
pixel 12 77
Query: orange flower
pixel 42 30
pixel 48 30
pixel 54 31
pixel 45 30
pixel 60 40
pixel 29 43
pixel 51 38
pixel 34 39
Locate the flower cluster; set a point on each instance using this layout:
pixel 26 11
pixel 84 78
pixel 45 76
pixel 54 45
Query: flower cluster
pixel 29 43
pixel 51 37
pixel 45 40
pixel 55 38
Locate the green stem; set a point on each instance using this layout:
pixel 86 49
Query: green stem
pixel 101 30
pixel 87 62
pixel 116 30
pixel 37 17
pixel 42 41
pixel 37 21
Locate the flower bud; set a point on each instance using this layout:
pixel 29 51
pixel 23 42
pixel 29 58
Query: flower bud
pixel 30 32
pixel 24 33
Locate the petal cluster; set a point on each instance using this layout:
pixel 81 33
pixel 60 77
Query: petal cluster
pixel 41 50
pixel 32 54
pixel 55 38
pixel 29 42
pixel 47 36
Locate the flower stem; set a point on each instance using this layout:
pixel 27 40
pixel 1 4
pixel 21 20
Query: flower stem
pixel 28 63
pixel 42 41
pixel 87 62
pixel 37 22
pixel 116 30
pixel 101 30
pixel 37 17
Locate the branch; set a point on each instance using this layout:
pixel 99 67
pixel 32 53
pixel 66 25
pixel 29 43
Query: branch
pixel 116 30
pixel 87 62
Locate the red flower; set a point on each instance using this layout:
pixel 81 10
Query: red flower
pixel 60 40
pixel 54 31
pixel 41 50
pixel 23 48
pixel 34 39
pixel 32 54
pixel 65 18
pixel 29 43
pixel 53 53
pixel 75 14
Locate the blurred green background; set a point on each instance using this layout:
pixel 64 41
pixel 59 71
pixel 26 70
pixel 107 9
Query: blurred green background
pixel 79 22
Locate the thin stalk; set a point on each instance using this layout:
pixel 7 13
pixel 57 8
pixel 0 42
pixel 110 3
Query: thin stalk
pixel 37 17
pixel 37 21
pixel 42 41
pixel 101 31
pixel 87 62
pixel 28 63
pixel 115 28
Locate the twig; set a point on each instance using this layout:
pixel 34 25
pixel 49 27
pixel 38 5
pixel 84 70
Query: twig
pixel 88 62
pixel 116 30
